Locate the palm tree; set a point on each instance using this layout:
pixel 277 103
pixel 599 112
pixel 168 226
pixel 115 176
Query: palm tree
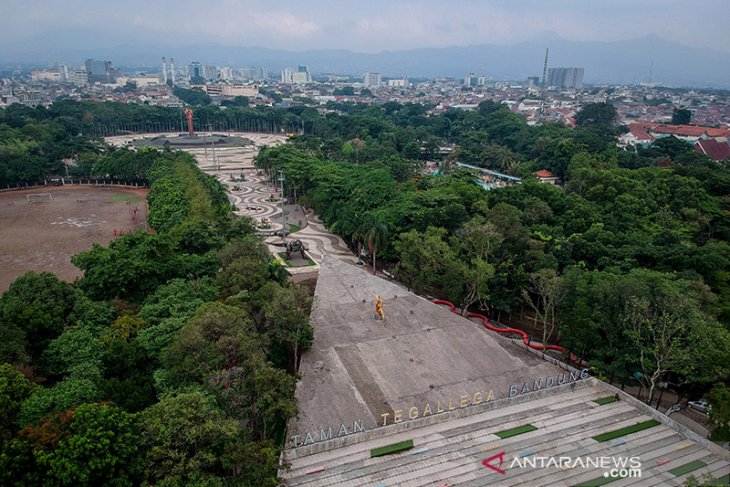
pixel 374 231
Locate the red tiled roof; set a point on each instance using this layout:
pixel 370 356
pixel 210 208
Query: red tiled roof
pixel 717 151
pixel 643 130
pixel 684 130
pixel 721 132
pixel 544 173
pixel 639 130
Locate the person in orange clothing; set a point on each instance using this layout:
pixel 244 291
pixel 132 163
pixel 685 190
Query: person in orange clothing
pixel 379 308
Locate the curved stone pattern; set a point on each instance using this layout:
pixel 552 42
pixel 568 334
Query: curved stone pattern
pixel 252 194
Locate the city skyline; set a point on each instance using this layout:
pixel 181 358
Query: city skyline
pixel 373 27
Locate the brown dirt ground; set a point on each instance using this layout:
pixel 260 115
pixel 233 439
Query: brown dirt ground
pixel 42 236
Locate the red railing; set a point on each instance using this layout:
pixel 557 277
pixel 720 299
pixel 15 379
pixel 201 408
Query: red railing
pixel 525 338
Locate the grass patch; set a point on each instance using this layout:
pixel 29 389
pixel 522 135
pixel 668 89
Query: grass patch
pixel 118 198
pixel 687 468
pixel 605 400
pixel 626 431
pixel 389 449
pixel 287 263
pixel 526 428
pixel 294 228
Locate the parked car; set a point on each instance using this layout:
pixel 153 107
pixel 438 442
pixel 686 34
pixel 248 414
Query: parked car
pixel 701 406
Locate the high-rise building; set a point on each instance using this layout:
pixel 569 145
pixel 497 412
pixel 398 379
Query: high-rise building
pixel 172 71
pixel 164 71
pixel 533 82
pixel 99 71
pixel 226 73
pixel 210 72
pixel 372 80
pixel 255 73
pixel 471 80
pixel 196 72
pixel 301 75
pixel 259 73
pixel 79 77
pixel 286 75
pixel 565 78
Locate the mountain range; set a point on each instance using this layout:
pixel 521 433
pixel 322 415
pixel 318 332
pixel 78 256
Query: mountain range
pixel 643 59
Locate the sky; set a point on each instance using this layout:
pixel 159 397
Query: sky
pixel 362 25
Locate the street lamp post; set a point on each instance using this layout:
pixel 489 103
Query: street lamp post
pixel 283 217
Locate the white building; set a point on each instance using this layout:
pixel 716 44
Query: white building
pixel 286 75
pixel 140 81
pixel 226 73
pixel 46 75
pixel 78 77
pixel 300 77
pixel 397 83
pixel 210 72
pixel 372 80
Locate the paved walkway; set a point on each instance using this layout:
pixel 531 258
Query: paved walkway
pixel 256 198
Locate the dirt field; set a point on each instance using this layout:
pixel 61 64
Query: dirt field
pixel 43 235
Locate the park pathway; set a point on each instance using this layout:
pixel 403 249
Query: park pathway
pixel 256 198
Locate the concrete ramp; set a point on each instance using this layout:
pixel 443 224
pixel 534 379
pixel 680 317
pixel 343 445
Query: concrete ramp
pixel 363 373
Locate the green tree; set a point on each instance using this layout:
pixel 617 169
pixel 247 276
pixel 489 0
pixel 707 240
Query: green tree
pixel 14 389
pixel 238 101
pixel 719 399
pixel 124 328
pixel 252 463
pixel 344 91
pixel 133 266
pixel 431 265
pixel 62 396
pixel 286 315
pixel 681 116
pixel 77 354
pixel 597 114
pixel 194 96
pixel 13 345
pixel 186 435
pixel 216 338
pixel 663 320
pixel 103 447
pixel 374 232
pixel 39 305
pixel 243 275
pixel 545 293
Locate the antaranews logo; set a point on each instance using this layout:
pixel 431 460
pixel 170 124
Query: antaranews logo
pixel 618 467
pixel 487 463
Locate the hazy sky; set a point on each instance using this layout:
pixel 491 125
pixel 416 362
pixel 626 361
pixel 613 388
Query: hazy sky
pixel 363 25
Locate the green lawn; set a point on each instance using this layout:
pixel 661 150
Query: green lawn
pixel 626 431
pixel 294 228
pixel 605 400
pixel 687 468
pixel 394 448
pixel 289 264
pixel 516 431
